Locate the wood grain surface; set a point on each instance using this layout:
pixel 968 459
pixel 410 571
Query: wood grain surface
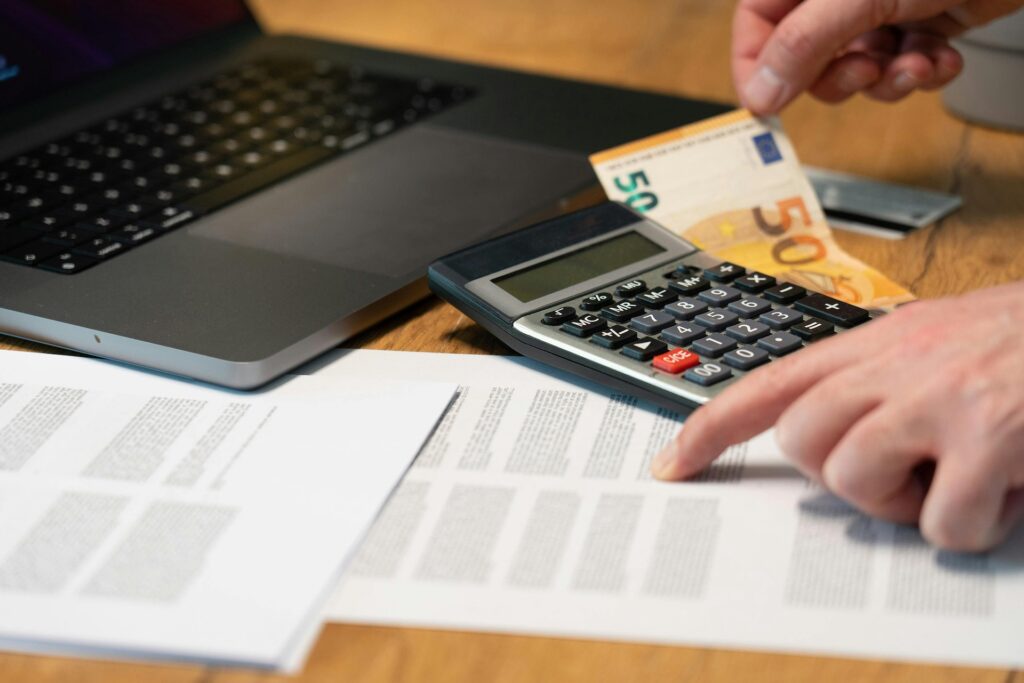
pixel 678 47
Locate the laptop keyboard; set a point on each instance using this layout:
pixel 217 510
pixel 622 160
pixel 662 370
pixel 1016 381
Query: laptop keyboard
pixel 88 197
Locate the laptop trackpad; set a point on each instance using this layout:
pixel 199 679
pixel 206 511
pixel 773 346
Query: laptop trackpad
pixel 394 206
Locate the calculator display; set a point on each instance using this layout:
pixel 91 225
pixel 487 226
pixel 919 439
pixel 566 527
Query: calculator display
pixel 551 276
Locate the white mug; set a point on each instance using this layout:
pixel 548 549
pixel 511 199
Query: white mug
pixel 990 91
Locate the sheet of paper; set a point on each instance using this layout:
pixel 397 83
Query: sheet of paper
pixel 143 516
pixel 531 510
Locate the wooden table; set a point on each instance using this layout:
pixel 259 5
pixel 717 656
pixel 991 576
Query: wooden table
pixel 680 47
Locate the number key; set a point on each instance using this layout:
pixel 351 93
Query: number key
pixel 749 308
pixel 686 308
pixel 719 296
pixel 780 318
pixel 714 345
pixel 707 374
pixel 651 323
pixel 717 319
pixel 683 334
pixel 748 332
pixel 746 357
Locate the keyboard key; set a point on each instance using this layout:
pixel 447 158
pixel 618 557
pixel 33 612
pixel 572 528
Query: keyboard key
pixel 717 319
pixel 683 334
pixel 652 322
pixel 724 272
pixel 746 357
pixel 596 301
pixel 132 234
pixel 780 343
pixel 707 374
pixel 68 263
pixel 32 253
pixel 644 349
pixel 16 236
pixel 748 332
pixel 585 325
pixel 832 310
pixel 676 361
pixel 686 308
pixel 622 311
pixel 68 237
pixel 784 293
pixel 631 288
pixel 689 285
pixel 714 345
pixel 754 282
pixel 559 315
pixel 749 308
pixel 780 318
pixel 812 330
pixel 98 248
pixel 719 296
pixel 614 337
pixel 656 297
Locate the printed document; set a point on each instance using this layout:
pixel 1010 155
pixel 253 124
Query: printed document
pixel 531 510
pixel 144 516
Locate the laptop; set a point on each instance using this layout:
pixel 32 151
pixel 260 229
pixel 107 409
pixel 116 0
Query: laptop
pixel 180 191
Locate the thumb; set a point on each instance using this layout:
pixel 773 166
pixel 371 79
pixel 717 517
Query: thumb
pixel 807 39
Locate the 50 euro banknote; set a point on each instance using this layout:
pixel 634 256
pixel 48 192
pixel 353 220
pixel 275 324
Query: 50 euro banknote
pixel 732 185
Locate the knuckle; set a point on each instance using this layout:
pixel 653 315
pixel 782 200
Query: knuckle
pixel 943 531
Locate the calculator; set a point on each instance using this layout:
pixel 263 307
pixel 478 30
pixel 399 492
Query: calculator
pixel 612 296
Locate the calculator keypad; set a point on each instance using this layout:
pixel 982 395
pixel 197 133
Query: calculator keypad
pixel 693 326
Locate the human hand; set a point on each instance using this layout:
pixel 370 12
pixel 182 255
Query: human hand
pixel 937 382
pixel 835 48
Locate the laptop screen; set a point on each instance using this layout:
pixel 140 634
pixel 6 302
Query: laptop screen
pixel 48 44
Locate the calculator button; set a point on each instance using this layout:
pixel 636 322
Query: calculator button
pixel 622 311
pixel 746 357
pixel 784 293
pixel 596 301
pixel 719 296
pixel 585 325
pixel 684 269
pixel 714 345
pixel 724 272
pixel 780 343
pixel 683 334
pixel 559 315
pixel 686 308
pixel 652 322
pixel 689 284
pixel 614 337
pixel 645 349
pixel 812 330
pixel 717 319
pixel 832 310
pixel 707 374
pixel 754 282
pixel 749 308
pixel 780 318
pixel 631 288
pixel 656 297
pixel 748 331
pixel 676 361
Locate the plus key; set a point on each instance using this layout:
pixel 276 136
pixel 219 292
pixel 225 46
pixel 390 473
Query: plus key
pixel 833 310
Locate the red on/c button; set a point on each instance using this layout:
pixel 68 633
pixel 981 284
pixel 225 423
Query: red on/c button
pixel 676 361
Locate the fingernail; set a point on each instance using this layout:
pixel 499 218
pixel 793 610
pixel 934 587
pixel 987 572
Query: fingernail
pixel 764 91
pixel 662 461
pixel 904 82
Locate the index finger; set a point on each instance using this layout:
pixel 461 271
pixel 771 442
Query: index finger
pixel 751 406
